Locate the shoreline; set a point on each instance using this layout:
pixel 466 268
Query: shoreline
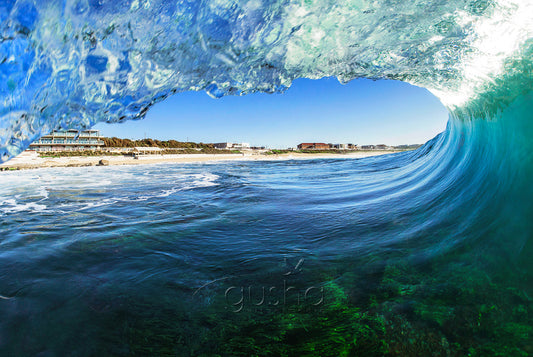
pixel 31 160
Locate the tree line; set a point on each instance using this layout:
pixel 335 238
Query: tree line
pixel 115 142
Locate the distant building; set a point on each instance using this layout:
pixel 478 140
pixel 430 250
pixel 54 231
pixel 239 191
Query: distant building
pixel 241 146
pixel 68 140
pixel 313 146
pixel 376 147
pixel 344 146
pixel 222 145
pixel 234 146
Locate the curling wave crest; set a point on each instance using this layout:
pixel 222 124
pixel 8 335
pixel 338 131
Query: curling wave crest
pixel 72 63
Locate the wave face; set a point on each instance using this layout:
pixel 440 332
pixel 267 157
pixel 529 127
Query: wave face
pixel 70 64
pixel 441 237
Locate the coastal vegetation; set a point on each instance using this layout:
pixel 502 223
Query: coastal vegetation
pixel 115 142
pixel 169 151
pixel 54 154
pixel 277 152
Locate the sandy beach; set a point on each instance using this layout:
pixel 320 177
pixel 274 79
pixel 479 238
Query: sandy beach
pixel 32 160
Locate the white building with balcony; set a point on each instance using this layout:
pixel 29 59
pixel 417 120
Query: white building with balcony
pixel 234 146
pixel 69 140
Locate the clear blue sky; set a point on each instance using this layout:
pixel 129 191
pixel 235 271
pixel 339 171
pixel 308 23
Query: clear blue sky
pixel 360 112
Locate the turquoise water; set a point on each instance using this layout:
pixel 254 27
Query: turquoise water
pixel 417 253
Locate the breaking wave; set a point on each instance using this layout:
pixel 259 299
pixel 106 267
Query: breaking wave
pixel 70 64
pixel 73 63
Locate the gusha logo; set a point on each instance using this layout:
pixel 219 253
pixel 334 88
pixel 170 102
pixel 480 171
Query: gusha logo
pixel 281 295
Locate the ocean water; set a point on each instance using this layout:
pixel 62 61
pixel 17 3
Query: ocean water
pixel 412 254
pixel 325 257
